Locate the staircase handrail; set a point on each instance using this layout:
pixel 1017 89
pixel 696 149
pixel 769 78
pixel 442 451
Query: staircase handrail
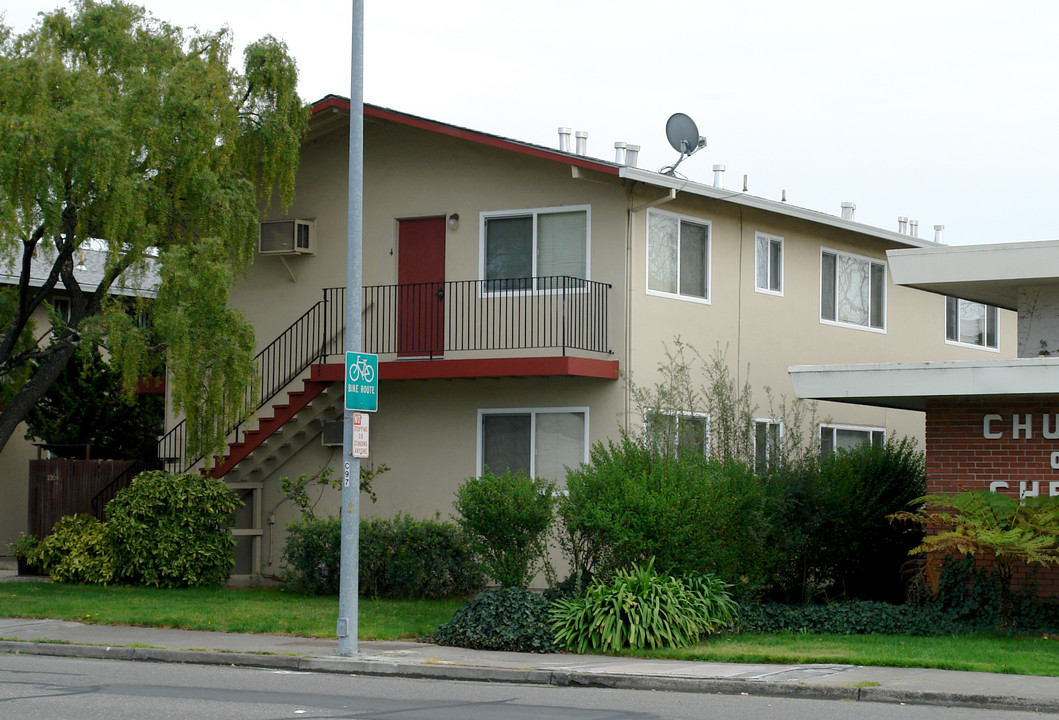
pixel 279 363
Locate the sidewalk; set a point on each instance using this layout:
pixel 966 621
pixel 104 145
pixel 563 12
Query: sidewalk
pixel 423 660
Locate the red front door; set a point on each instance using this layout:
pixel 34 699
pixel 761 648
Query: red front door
pixel 421 287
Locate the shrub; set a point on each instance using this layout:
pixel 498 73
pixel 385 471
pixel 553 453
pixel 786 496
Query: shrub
pixel 640 608
pixel 312 555
pixel 77 551
pixel 689 513
pixel 173 530
pixel 506 520
pixel 854 617
pixel 511 619
pixel 400 558
pixel 831 525
pixel 405 558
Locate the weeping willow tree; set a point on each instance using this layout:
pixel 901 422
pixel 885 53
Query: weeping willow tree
pixel 119 131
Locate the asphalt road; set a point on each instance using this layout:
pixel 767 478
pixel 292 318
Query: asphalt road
pixel 82 689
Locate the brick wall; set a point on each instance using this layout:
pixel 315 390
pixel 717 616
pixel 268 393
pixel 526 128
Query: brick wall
pixel 960 457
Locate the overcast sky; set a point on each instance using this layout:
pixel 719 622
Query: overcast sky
pixel 942 111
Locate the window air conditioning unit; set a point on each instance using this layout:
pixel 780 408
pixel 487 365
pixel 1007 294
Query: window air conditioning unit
pixel 287 237
pixel 332 433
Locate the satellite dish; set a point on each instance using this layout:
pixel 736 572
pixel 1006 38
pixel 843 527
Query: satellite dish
pixel 683 135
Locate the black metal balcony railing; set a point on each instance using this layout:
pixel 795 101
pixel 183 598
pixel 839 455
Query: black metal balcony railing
pixel 430 319
pixel 425 320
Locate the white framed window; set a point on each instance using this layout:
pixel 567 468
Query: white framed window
pixel 842 437
pixel 543 243
pixel 678 256
pixel 768 264
pixel 852 290
pixel 63 309
pixel 669 430
pixel 970 323
pixel 768 432
pixel 540 442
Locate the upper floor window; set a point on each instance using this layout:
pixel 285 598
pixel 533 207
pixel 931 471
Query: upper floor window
pixel 678 256
pixel 852 290
pixel 842 437
pixel 768 264
pixel 970 323
pixel 545 243
pixel 539 442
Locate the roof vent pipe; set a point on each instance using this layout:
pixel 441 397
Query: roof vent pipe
pixel 848 209
pixel 718 176
pixel 902 225
pixel 564 139
pixel 938 230
pixel 913 228
pixel 581 142
pixel 632 155
pixel 619 153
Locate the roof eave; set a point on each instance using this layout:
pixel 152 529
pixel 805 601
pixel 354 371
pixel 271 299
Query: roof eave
pixel 759 203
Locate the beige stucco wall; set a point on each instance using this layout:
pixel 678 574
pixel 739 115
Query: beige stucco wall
pixel 768 333
pixel 426 431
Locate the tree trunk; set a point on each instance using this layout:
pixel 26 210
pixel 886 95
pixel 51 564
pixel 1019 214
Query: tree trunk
pixel 1007 604
pixel 15 411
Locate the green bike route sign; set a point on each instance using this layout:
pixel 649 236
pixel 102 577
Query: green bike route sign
pixel 362 382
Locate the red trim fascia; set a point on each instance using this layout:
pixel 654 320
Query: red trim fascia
pixel 483 368
pixel 333 101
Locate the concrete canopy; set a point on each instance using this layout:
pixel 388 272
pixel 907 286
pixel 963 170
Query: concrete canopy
pixel 908 386
pixel 990 274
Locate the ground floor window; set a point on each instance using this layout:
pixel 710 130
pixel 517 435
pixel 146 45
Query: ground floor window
pixel 668 430
pixel 540 442
pixel 841 437
pixel 767 434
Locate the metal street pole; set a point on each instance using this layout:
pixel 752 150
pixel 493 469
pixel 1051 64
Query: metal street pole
pixel 350 571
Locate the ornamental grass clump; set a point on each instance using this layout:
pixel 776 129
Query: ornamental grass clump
pixel 639 608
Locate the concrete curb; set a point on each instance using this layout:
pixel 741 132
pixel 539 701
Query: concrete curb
pixel 530 676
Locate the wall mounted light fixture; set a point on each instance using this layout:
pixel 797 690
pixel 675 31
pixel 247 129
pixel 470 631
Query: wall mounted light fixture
pixel 454 221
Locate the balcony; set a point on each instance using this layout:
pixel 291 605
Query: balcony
pixel 519 327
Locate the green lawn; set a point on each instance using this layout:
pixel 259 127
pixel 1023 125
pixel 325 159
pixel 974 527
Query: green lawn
pixel 223 609
pixel 280 612
pixel 1028 655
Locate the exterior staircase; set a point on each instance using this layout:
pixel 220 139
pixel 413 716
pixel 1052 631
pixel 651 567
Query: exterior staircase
pixel 291 426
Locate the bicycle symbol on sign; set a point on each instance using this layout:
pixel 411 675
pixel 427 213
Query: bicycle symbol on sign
pixel 361 369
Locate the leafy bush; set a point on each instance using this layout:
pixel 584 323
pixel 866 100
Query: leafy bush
pixel 399 558
pixel 77 551
pixel 511 619
pixel 830 523
pixel 407 558
pixel 689 513
pixel 173 530
pixel 312 555
pixel 855 617
pixel 506 520
pixel 640 608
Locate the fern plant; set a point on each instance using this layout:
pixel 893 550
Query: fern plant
pixel 980 522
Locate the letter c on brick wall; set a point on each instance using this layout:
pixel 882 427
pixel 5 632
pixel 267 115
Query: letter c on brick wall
pixel 987 431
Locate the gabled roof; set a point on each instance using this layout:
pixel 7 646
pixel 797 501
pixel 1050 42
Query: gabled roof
pixel 88 270
pixel 332 111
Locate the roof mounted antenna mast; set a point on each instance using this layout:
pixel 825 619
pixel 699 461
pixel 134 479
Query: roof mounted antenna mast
pixel 683 135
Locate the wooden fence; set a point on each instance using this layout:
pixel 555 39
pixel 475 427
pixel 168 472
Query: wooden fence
pixel 65 487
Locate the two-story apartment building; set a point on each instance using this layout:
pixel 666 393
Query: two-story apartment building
pixel 509 289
